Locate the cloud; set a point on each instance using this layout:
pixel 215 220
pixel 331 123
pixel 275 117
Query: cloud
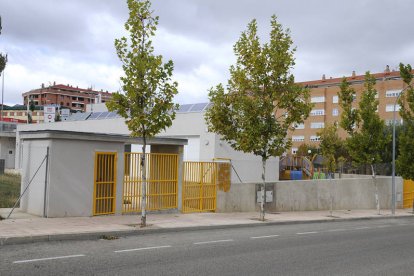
pixel 73 41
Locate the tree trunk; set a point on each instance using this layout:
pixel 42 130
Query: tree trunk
pixel 143 186
pixel 263 190
pixel 374 178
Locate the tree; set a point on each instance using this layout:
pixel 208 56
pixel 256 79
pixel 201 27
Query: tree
pixel 330 147
pixel 304 149
pixel 3 57
pixel 405 161
pixel 366 144
pixel 32 107
pixel 148 91
pixel 262 101
pixel 349 116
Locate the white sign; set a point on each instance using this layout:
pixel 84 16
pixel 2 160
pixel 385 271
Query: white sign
pixel 49 113
pixel 65 114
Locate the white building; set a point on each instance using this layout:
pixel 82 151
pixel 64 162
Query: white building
pixel 188 124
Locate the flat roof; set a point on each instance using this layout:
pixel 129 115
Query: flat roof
pixel 92 136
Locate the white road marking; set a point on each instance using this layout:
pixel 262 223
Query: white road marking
pixel 142 248
pixel 46 259
pixel 305 233
pixel 336 230
pixel 383 226
pixel 205 242
pixel 263 237
pixel 361 228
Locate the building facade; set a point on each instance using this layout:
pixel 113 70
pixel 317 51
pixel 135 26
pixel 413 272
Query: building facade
pixel 18 114
pixel 67 96
pixel 326 110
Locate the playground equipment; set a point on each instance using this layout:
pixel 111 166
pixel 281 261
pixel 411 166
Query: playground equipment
pixel 300 168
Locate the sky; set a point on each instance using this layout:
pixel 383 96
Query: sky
pixel 72 41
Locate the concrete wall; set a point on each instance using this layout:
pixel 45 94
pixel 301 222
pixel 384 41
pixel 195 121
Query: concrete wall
pixel 71 185
pixel 193 126
pixel 309 195
pixel 116 126
pixel 33 153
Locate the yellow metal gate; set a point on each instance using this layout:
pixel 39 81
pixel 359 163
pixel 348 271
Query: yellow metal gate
pixel 104 183
pixel 408 193
pixel 161 184
pixel 199 187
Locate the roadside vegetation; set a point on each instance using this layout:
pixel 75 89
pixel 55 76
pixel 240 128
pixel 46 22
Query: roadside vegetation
pixel 9 190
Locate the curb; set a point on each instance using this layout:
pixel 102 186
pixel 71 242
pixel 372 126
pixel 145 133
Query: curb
pixel 147 231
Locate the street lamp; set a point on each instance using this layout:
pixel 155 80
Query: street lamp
pixel 393 153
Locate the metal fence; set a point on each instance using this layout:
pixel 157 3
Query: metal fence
pixel 199 187
pixel 161 183
pixel 105 183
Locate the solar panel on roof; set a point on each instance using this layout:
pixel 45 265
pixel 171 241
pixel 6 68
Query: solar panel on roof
pixel 198 107
pixel 184 108
pixel 94 115
pixel 103 115
pixel 111 115
pixel 84 116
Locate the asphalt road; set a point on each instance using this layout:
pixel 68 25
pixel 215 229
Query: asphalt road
pixel 366 247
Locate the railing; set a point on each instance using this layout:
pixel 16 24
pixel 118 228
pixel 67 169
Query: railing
pixel 161 183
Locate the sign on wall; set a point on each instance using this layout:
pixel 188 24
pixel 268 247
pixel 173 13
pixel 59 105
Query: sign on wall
pixel 49 114
pixel 65 114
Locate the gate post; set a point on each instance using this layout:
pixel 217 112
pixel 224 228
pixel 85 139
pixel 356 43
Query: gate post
pixel 180 168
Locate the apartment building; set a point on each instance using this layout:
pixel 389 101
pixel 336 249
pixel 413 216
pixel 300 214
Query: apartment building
pixel 68 96
pixel 18 114
pixel 326 110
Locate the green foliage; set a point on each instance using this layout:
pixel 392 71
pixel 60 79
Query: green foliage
pixel 405 161
pixel 366 145
pixel 32 107
pixel 148 91
pixel 349 116
pixel 3 57
pixel 304 149
pixel 331 146
pixel 261 101
pixel 9 190
pixel 386 154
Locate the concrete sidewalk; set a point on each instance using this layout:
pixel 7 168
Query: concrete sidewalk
pixel 24 228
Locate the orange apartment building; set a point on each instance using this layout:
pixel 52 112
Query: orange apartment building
pixel 326 110
pixel 66 96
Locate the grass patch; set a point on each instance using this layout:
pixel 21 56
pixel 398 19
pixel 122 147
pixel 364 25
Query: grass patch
pixel 9 190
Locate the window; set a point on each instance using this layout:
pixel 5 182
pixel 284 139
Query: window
pixel 320 99
pixel 318 125
pixel 397 122
pixel 390 108
pixel 335 99
pixel 335 112
pixel 317 112
pixel 294 150
pixel 299 138
pixel 299 126
pixel 392 93
pixel 315 138
pixel 11 114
